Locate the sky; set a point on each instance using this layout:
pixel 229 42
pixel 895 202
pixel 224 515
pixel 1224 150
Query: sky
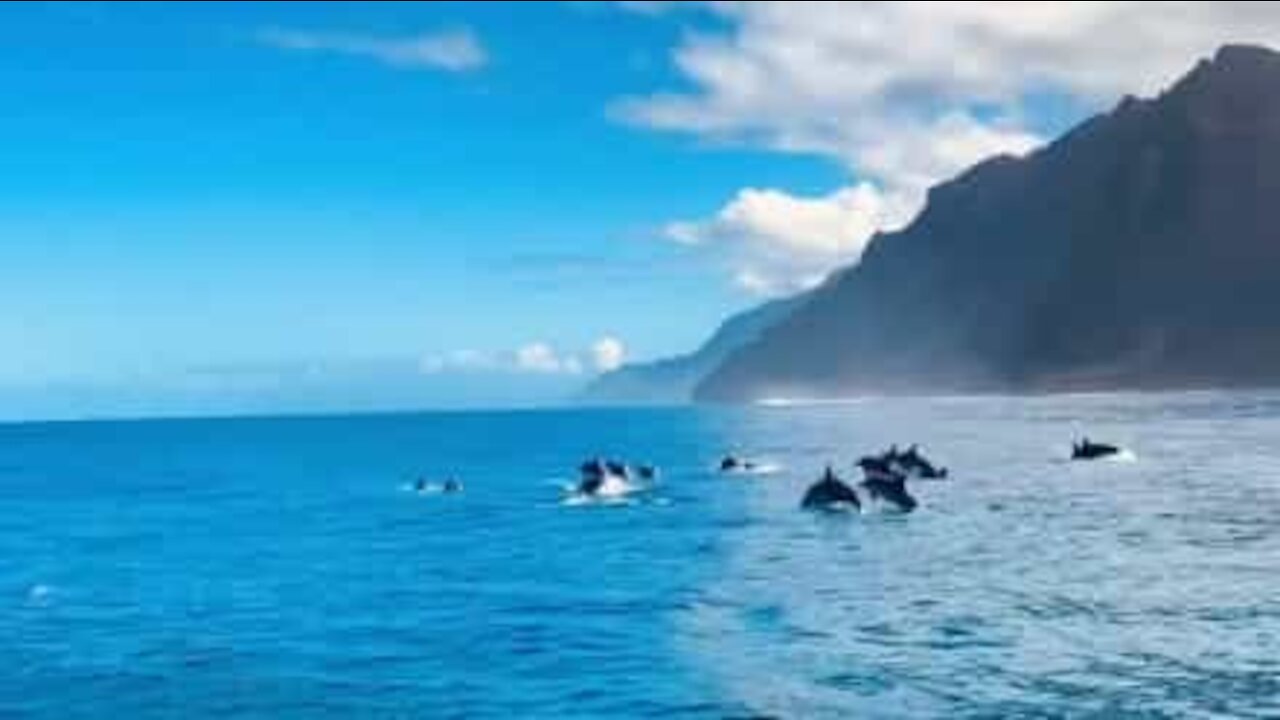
pixel 233 207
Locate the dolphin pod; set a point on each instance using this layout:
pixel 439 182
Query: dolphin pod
pixel 611 478
pixel 913 464
pixel 881 483
pixel 884 481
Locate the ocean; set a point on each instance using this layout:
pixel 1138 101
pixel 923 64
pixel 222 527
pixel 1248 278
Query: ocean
pixel 287 568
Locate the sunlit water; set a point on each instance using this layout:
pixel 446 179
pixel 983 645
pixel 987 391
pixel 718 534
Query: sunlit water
pixel 285 569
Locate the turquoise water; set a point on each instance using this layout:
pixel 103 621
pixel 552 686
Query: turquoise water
pixel 282 568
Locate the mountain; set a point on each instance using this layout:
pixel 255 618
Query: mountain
pixel 671 381
pixel 1140 250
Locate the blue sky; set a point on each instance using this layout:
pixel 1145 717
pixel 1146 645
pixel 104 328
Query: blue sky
pixel 259 207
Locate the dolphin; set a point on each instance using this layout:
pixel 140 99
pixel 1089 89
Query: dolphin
pixel 731 463
pixel 830 493
pixel 1089 450
pixel 606 479
pixel 883 482
pixel 913 464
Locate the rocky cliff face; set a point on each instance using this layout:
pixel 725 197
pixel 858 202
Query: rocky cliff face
pixel 671 381
pixel 1140 250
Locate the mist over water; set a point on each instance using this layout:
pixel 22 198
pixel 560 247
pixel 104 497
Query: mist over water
pixel 285 568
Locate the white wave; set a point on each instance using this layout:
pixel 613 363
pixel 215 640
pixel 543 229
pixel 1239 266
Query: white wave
pixel 782 402
pixel 842 508
pixel 615 486
pixel 1124 456
pixel 579 499
pixel 613 490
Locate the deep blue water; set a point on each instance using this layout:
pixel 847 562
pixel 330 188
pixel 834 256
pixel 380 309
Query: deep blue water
pixel 279 568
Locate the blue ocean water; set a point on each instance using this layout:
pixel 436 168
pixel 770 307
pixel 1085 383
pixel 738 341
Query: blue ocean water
pixel 283 568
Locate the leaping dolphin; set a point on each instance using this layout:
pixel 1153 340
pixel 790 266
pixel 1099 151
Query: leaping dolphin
pixel 830 493
pixel 602 478
pixel 913 464
pixel 883 483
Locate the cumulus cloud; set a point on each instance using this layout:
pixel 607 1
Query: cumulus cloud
pixel 607 354
pixel 540 357
pixel 453 50
pixel 533 358
pixel 827 76
pixel 777 242
pixel 905 94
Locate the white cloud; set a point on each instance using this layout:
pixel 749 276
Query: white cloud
pixel 909 158
pixel 533 358
pixel 776 242
pixel 824 76
pixel 905 94
pixel 540 357
pixel 607 354
pixel 453 50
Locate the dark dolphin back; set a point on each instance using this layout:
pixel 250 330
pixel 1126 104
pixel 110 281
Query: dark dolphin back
pixel 1088 450
pixel 829 492
pixel 892 489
